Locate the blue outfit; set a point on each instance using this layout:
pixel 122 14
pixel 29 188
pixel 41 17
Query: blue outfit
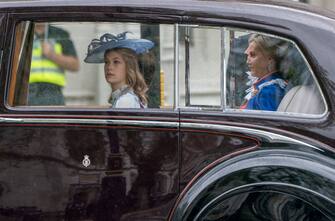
pixel 266 93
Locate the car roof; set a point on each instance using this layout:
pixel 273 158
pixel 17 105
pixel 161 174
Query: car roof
pixel 282 10
pixel 164 3
pixel 182 4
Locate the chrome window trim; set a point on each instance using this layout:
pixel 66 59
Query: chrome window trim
pixel 223 72
pixel 291 114
pixel 176 66
pixel 70 108
pixel 144 123
pixel 198 107
pixel 177 107
pixel 272 113
pixel 187 67
pixel 227 48
pixel 271 137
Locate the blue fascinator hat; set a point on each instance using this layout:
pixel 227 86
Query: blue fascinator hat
pixel 96 49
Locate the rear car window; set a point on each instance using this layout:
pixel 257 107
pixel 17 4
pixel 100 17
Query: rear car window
pixel 250 72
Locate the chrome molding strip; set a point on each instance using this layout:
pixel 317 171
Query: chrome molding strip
pixel 306 62
pixel 141 123
pixel 271 137
pixel 223 71
pixel 176 67
pixel 187 67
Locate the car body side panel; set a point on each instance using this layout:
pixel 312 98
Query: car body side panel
pixel 130 170
pixel 298 171
pixel 201 148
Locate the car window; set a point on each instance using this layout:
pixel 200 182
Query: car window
pixel 245 71
pixel 200 66
pixel 269 73
pixel 64 64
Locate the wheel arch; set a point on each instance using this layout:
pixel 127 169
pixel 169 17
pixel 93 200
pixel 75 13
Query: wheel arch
pixel 302 173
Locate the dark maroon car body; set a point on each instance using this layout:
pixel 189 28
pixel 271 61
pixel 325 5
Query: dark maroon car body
pixel 190 164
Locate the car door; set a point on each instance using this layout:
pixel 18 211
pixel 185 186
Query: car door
pixel 84 160
pixel 202 84
pixel 227 169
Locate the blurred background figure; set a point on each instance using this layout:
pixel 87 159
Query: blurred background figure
pixel 53 53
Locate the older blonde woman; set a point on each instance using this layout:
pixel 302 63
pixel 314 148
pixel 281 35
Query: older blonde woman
pixel 268 86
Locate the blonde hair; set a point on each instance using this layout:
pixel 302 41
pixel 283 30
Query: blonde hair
pixel 134 77
pixel 267 45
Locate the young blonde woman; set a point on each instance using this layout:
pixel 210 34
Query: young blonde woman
pixel 121 68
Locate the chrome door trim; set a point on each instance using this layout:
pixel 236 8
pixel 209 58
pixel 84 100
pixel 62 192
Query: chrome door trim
pixel 225 44
pixel 142 123
pixel 187 67
pixel 316 81
pixel 269 136
pixel 176 67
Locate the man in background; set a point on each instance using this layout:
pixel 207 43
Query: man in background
pixel 53 53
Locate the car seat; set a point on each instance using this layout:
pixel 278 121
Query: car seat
pixel 304 99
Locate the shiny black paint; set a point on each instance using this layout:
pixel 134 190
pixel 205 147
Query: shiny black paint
pixel 263 205
pixel 303 174
pixel 130 171
pixel 203 148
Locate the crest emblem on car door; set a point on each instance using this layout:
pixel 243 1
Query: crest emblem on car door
pixel 86 161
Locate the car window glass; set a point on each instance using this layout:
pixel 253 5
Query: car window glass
pixel 200 66
pixel 268 73
pixel 230 69
pixel 63 64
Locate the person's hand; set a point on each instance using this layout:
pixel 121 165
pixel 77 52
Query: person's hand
pixel 66 62
pixel 47 50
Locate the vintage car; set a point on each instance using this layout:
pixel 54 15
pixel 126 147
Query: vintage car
pixel 195 152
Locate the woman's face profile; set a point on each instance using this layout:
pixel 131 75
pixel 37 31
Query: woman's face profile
pixel 115 69
pixel 257 60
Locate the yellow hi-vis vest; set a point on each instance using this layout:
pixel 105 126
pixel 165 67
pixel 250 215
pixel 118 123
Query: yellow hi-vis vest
pixel 43 69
